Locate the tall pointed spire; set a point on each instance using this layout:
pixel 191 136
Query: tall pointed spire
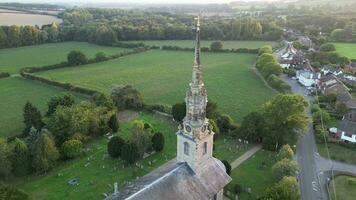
pixel 197 71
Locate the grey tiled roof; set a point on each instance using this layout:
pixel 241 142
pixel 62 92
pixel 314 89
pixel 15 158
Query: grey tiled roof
pixel 178 181
pixel 348 126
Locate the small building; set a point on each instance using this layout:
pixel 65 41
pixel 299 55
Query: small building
pixel 330 84
pixel 291 57
pixel 331 70
pixel 350 68
pixel 308 78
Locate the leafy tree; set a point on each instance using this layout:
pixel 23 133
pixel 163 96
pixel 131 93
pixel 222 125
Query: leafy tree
pixel 104 100
pixel 113 123
pixel 158 141
pixel 338 35
pixel 285 152
pixel 32 118
pixel 284 167
pixel 291 72
pixel 76 58
pixel 286 189
pixel 320 134
pixel 321 115
pixel 20 158
pixel 100 56
pixel 271 68
pixel 179 111
pixel 340 108
pixel 327 47
pixel 227 166
pixel 5 161
pixel 45 154
pixel 115 145
pixel 214 126
pixel 129 153
pixel 285 118
pixel 264 60
pixel 253 127
pixel 224 123
pixel 265 49
pixel 141 136
pixel 211 110
pixel 216 46
pixel 72 148
pixel 66 100
pixel 127 97
pixel 11 193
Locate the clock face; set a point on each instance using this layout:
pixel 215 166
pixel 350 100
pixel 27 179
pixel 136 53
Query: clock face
pixel 188 128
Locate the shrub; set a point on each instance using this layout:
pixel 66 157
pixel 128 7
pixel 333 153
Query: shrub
pixel 100 56
pixel 227 166
pixel 179 111
pixel 351 181
pixel 115 145
pixel 265 49
pixel 4 75
pixel 127 97
pixel 283 168
pixel 285 152
pixel 76 58
pixel 129 153
pixel 214 126
pixel 12 193
pixel 224 123
pixel 72 148
pixel 237 188
pixel 113 123
pixel 216 46
pixel 158 141
pixel 327 47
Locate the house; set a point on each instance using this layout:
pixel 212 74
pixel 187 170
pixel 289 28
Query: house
pixel 308 78
pixel 305 41
pixel 291 57
pixel 350 68
pixel 331 70
pixel 330 84
pixel 348 129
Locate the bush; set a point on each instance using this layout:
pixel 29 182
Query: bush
pixel 265 49
pixel 237 188
pixel 12 193
pixel 129 153
pixel 127 97
pixel 76 58
pixel 283 168
pixel 227 166
pixel 179 111
pixel 72 148
pixel 4 75
pixel 115 145
pixel 100 56
pixel 327 47
pixel 113 123
pixel 224 123
pixel 351 181
pixel 285 152
pixel 214 126
pixel 216 46
pixel 158 141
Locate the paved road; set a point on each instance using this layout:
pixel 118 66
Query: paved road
pixel 306 151
pixel 245 156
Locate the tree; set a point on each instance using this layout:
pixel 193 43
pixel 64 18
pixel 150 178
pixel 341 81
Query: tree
pixel 265 49
pixel 115 145
pixel 227 166
pixel 66 100
pixel 253 127
pixel 158 141
pixel 32 118
pixel 129 153
pixel 5 162
pixel 211 110
pixel 20 158
pixel 285 152
pixel 45 154
pixel 327 47
pixel 224 123
pixel 338 35
pixel 285 118
pixel 271 68
pixel 76 58
pixel 284 167
pixel 100 56
pixel 340 108
pixel 141 136
pixel 72 148
pixel 12 193
pixel 214 126
pixel 216 46
pixel 127 97
pixel 321 116
pixel 265 59
pixel 286 189
pixel 179 111
pixel 113 123
pixel 104 100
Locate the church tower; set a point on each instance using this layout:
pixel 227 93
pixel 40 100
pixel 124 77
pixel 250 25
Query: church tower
pixel 195 135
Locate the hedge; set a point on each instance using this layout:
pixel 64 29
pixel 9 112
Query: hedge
pixel 205 49
pixel 4 75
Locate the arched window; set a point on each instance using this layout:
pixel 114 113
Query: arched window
pixel 186 148
pixel 205 148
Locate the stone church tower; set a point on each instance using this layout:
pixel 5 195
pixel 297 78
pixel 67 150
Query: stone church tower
pixel 195 135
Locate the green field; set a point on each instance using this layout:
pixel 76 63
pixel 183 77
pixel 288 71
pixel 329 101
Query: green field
pixel 14 92
pixel 344 190
pixel 205 43
pixel 252 174
pixel 346 49
pixel 13 59
pixel 163 77
pixel 102 171
pixel 338 152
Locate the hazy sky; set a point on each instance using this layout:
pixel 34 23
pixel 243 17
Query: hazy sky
pixel 125 1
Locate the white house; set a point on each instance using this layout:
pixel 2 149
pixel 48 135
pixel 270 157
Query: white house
pixel 308 78
pixel 331 70
pixel 348 137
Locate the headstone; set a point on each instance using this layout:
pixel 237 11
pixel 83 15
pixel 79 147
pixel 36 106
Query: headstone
pixel 116 189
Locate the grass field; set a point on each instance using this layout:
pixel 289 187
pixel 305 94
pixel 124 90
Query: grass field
pixel 100 174
pixel 346 49
pixel 252 174
pixel 338 152
pixel 22 19
pixel 163 77
pixel 14 92
pixel 205 43
pixel 344 190
pixel 13 59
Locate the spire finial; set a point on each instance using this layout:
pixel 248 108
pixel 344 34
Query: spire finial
pixel 197 45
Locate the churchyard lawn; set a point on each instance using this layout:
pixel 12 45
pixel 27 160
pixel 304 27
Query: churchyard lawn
pixel 96 172
pixel 206 43
pixel 14 92
pixel 346 49
pixel 163 77
pixel 13 59
pixel 345 187
pixel 254 173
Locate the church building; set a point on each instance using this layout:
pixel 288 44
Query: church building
pixel 194 174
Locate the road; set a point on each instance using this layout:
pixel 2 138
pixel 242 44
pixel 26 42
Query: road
pixel 309 181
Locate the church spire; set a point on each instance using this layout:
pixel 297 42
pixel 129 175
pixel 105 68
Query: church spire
pixel 197 71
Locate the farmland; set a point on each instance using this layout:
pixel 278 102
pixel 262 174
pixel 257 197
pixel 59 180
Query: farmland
pixel 13 59
pixel 346 49
pixel 99 175
pixel 163 77
pixel 205 43
pixel 14 92
pixel 9 18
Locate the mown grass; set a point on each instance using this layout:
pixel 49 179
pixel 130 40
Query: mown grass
pixel 163 77
pixel 344 190
pixel 13 59
pixel 338 152
pixel 206 43
pixel 102 171
pixel 254 173
pixel 14 92
pixel 346 49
